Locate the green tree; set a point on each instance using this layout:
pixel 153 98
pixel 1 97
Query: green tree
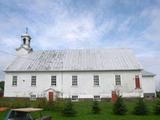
pixel 158 94
pixel 2 85
pixel 95 107
pixel 69 110
pixel 157 107
pixel 140 107
pixel 119 107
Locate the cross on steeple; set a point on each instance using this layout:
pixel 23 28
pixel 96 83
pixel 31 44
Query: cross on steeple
pixel 26 30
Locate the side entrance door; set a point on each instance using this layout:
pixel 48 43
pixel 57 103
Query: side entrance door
pixel 50 96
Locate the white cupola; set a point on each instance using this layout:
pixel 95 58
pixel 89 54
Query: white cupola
pixel 25 44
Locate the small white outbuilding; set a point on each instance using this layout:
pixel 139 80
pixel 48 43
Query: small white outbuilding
pixel 76 74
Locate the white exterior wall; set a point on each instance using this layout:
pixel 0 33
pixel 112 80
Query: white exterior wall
pixel 148 84
pixel 21 52
pixel 85 88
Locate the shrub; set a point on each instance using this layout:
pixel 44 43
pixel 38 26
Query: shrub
pixel 119 107
pixel 58 105
pixel 52 106
pixel 49 106
pixel 158 94
pixel 14 102
pixel 41 102
pixel 95 107
pixel 69 110
pixel 140 107
pixel 19 103
pixel 157 107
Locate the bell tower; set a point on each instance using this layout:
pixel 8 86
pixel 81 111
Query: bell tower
pixel 26 39
pixel 25 44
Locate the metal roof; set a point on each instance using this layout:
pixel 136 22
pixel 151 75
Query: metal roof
pixel 76 60
pixel 147 74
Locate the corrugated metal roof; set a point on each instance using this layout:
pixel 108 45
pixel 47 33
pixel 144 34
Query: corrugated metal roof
pixel 76 60
pixel 147 74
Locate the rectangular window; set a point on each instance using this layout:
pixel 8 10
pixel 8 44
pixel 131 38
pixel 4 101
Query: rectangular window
pixel 33 81
pixel 74 98
pixel 74 81
pixel 118 79
pixel 137 81
pixel 33 97
pixel 96 80
pixel 53 80
pixel 14 81
pixel 97 98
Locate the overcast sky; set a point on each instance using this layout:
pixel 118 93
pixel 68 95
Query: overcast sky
pixel 61 24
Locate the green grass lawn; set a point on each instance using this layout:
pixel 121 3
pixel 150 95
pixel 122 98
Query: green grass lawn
pixel 83 109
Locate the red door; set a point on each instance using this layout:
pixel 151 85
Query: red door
pixel 50 96
pixel 114 96
pixel 137 82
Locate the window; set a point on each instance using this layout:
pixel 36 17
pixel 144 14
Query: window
pixel 74 98
pixel 14 81
pixel 118 79
pixel 33 97
pixel 97 98
pixel 74 81
pixel 137 81
pixel 96 80
pixel 33 81
pixel 53 80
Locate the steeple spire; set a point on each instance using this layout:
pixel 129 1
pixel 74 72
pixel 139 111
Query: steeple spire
pixel 25 46
pixel 26 30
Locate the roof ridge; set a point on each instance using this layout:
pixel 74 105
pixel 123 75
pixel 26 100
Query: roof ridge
pixel 69 49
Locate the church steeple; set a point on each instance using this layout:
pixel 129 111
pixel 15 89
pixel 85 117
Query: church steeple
pixel 26 39
pixel 25 44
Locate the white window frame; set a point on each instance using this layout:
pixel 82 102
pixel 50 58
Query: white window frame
pixel 74 80
pixel 33 97
pixel 96 80
pixel 75 98
pixel 53 80
pixel 14 80
pixel 118 80
pixel 97 98
pixel 33 80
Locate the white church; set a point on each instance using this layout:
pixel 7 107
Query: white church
pixel 76 74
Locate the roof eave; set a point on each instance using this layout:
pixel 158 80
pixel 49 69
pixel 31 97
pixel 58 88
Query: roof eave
pixel 7 71
pixel 148 75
